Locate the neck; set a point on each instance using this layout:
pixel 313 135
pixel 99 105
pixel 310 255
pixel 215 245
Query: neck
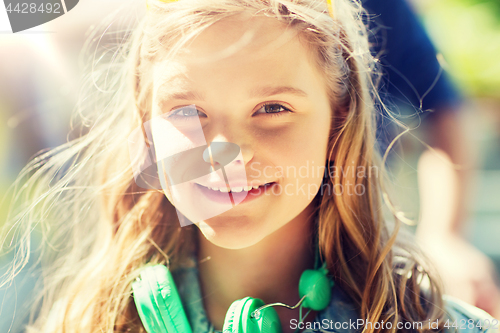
pixel 269 270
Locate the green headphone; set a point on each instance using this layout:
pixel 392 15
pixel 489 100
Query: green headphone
pixel 161 311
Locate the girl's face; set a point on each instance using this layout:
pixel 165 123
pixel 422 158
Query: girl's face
pixel 256 85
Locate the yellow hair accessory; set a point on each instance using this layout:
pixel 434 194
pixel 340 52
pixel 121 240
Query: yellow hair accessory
pixel 166 1
pixel 328 4
pixel 330 8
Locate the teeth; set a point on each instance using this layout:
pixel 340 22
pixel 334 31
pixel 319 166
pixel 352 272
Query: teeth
pixel 236 189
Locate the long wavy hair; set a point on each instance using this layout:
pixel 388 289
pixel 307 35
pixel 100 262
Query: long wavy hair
pixel 98 228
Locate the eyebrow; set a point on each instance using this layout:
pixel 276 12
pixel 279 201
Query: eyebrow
pixel 270 91
pixel 183 95
pixel 165 95
pixel 266 91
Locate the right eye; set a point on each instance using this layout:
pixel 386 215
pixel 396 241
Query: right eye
pixel 186 112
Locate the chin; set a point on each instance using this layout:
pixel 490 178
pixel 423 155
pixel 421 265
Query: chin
pixel 231 234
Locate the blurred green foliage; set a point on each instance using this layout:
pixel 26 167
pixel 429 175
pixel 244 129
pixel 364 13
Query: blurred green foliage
pixel 467 33
pixel 493 4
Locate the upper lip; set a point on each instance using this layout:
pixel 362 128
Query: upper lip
pixel 235 184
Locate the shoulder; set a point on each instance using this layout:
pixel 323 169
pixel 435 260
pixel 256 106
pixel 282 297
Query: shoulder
pixel 465 318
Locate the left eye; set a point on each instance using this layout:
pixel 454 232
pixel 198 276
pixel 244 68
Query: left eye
pixel 186 112
pixel 272 108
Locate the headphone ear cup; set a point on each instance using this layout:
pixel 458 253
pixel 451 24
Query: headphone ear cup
pixel 233 316
pixel 317 287
pixel 267 320
pixel 158 302
pixel 238 318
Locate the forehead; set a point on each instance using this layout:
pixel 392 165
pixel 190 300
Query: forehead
pixel 241 47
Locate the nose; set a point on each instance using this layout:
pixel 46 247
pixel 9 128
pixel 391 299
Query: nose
pixel 228 140
pixel 221 153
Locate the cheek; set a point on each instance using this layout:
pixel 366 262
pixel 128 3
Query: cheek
pixel 299 149
pixel 308 140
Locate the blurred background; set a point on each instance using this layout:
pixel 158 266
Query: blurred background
pixel 41 73
pixel 466 34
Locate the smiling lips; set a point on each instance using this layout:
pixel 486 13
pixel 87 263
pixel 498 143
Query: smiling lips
pixel 236 189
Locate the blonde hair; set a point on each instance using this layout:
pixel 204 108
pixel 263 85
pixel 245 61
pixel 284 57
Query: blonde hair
pixel 99 228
